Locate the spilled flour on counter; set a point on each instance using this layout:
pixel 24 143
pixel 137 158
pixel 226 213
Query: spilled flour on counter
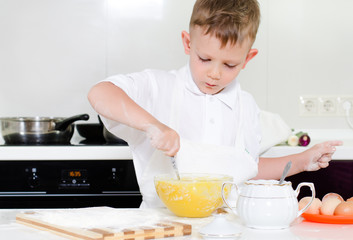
pixel 97 217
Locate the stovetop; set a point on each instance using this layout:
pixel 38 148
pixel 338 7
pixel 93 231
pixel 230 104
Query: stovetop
pixel 81 143
pixel 76 150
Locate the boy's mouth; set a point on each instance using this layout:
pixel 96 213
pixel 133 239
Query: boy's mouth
pixel 210 85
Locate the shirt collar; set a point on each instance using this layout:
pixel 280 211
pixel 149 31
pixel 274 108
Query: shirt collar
pixel 227 96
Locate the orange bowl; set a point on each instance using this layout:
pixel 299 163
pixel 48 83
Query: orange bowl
pixel 328 218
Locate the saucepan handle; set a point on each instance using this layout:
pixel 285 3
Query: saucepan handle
pixel 312 188
pixel 61 126
pixel 224 197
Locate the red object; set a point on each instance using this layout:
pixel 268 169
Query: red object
pixel 304 140
pixel 328 219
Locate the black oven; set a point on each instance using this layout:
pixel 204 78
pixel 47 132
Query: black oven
pixel 68 183
pixel 337 178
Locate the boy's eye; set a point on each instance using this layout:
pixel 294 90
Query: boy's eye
pixel 204 59
pixel 230 65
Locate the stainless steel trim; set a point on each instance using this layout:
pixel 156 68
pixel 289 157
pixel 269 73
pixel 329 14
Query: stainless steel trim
pixel 110 192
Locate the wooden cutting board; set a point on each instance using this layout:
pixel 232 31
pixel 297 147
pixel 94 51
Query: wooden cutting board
pixel 161 229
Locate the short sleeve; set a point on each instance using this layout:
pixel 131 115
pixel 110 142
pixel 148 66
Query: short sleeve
pixel 140 87
pixel 150 89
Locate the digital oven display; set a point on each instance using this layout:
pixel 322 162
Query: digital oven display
pixel 78 174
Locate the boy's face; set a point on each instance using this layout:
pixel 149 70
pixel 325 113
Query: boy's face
pixel 213 67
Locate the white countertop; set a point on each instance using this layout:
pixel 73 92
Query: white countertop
pixel 65 152
pixel 112 152
pixel 77 152
pixel 300 230
pixel 344 152
pixel 116 152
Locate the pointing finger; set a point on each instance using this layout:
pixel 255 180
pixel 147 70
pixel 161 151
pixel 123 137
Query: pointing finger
pixel 334 143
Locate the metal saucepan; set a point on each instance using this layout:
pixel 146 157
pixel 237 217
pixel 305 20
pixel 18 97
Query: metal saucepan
pixel 92 132
pixel 109 137
pixel 39 130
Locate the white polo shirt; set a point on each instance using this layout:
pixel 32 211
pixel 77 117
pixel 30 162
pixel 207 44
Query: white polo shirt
pixel 203 118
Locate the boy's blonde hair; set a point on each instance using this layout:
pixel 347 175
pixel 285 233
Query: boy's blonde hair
pixel 229 20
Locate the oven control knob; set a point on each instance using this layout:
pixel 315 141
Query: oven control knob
pixel 114 178
pixel 33 181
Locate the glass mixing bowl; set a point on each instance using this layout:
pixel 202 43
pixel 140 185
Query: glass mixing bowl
pixel 194 195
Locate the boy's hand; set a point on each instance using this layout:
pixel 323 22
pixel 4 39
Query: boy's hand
pixel 320 155
pixel 164 138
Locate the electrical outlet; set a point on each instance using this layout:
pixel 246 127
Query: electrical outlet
pixel 341 100
pixel 327 105
pixel 308 106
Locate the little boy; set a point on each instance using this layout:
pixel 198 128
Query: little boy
pixel 200 103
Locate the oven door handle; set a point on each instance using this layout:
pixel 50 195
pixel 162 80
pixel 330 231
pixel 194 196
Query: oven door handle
pixel 21 193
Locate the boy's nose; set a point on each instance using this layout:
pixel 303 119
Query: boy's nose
pixel 214 73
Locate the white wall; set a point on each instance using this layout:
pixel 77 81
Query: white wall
pixel 53 51
pixel 305 49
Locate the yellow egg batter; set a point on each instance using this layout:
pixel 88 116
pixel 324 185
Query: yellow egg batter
pixel 192 196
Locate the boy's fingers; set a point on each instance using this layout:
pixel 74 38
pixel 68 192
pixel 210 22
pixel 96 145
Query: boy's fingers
pixel 325 158
pixel 333 143
pixel 329 147
pixel 323 164
pixel 171 153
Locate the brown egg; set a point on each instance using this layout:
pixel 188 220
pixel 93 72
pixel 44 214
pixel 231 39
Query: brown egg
pixel 350 199
pixel 314 207
pixel 344 209
pixel 329 205
pixel 332 195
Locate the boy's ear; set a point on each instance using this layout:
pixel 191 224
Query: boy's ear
pixel 185 36
pixel 251 54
